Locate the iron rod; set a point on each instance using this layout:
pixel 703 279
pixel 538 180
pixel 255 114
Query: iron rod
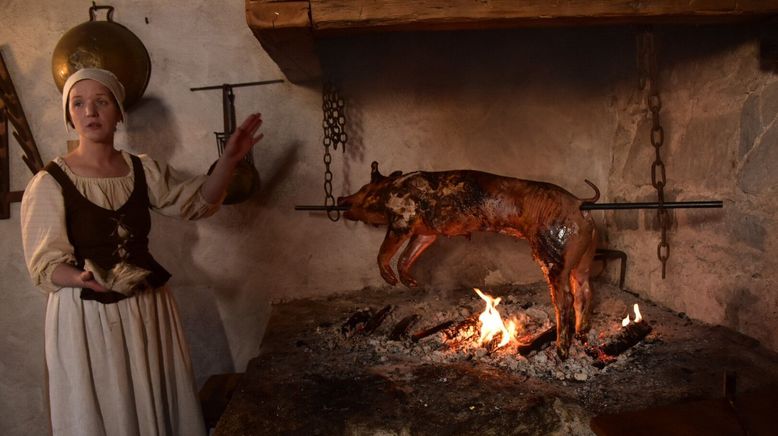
pixel 654 205
pixel 322 208
pixel 585 206
pixel 235 85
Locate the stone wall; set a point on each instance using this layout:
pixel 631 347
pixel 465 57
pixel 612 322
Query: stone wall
pixel 719 114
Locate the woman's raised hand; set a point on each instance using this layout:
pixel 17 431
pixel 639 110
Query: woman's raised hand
pixel 243 138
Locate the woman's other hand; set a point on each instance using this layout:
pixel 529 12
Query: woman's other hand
pixel 88 281
pixel 67 275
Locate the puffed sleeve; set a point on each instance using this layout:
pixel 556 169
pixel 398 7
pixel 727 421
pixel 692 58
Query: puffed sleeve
pixel 44 231
pixel 171 193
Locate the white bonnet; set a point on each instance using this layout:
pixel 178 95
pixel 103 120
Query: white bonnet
pixel 107 78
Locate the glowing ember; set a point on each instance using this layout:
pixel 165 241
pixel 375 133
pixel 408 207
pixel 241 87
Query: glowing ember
pixel 491 322
pixel 638 317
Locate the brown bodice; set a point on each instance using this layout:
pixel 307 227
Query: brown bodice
pixel 96 233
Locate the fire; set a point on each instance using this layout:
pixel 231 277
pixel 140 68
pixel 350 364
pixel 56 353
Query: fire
pixel 638 317
pixel 491 322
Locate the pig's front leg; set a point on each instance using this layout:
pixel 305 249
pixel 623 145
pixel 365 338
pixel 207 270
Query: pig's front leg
pixel 416 246
pixel 389 247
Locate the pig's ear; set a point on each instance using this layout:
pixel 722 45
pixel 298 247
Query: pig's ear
pixel 396 174
pixel 375 176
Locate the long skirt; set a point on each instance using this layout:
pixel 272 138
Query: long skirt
pixel 119 369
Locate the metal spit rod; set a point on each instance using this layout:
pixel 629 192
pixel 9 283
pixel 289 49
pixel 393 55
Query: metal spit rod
pixel 654 205
pixel 586 206
pixel 322 208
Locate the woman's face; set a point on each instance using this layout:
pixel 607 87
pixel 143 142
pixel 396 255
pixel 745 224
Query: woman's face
pixel 93 110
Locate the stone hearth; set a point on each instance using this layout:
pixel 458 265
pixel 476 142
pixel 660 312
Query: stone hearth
pixel 310 379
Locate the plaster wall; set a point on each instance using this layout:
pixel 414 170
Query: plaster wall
pixel 558 105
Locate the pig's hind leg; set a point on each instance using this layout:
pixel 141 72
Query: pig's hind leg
pixel 582 292
pixel 413 250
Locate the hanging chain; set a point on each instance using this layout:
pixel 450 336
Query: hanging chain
pixel 334 124
pixel 648 73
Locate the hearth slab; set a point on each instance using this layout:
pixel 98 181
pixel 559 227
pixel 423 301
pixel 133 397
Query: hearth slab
pixel 303 383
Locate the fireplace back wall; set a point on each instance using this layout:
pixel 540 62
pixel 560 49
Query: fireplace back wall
pixel 530 104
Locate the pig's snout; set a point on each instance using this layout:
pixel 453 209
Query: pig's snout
pixel 349 203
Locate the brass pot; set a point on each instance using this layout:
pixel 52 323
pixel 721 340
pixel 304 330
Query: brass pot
pixel 107 45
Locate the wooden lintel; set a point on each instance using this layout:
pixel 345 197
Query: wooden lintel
pixel 285 32
pixel 339 16
pixel 288 30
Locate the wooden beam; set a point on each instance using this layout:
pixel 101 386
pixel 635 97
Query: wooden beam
pixel 5 170
pixel 338 16
pixel 6 195
pixel 15 115
pixel 288 30
pixel 284 29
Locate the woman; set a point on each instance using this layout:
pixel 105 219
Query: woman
pixel 116 358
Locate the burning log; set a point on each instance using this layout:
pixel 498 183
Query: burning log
pixel 400 331
pixel 493 344
pixel 625 339
pixel 630 334
pixel 469 322
pixel 537 341
pixel 376 320
pixel 431 331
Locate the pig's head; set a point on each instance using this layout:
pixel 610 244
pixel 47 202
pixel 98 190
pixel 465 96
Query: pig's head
pixel 369 203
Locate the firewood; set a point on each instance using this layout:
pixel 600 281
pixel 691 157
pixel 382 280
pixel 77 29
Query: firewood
pixel 400 331
pixel 470 321
pixel 356 322
pixel 431 331
pixel 625 339
pixel 536 341
pixel 376 320
pixel 494 343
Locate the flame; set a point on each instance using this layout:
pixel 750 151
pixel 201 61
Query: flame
pixel 638 317
pixel 491 322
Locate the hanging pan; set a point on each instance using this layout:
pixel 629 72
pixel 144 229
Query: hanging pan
pixel 107 45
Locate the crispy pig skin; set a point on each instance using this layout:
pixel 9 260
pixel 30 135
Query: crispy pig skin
pixel 420 206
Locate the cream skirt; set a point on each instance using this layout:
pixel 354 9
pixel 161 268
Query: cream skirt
pixel 119 369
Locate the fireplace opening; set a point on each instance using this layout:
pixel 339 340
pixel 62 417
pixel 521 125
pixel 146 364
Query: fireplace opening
pixel 548 106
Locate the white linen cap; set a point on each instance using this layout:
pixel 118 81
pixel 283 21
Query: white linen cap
pixel 107 78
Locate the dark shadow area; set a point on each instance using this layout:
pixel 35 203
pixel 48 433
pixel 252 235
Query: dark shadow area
pixel 281 167
pixel 151 134
pixel 453 64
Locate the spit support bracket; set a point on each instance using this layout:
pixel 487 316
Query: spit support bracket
pixel 228 108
